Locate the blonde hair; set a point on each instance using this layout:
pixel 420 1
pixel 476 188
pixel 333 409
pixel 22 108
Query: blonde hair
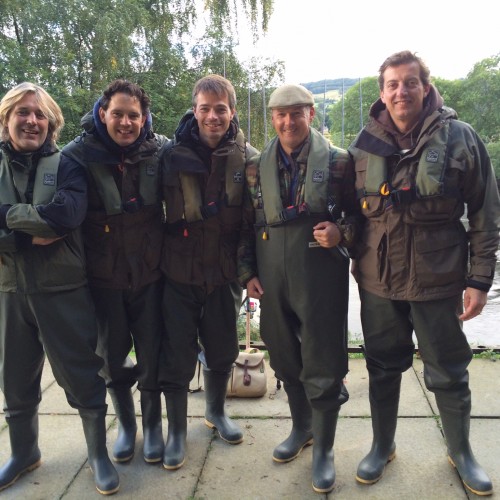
pixel 48 106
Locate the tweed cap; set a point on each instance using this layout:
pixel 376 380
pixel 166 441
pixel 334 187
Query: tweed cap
pixel 291 95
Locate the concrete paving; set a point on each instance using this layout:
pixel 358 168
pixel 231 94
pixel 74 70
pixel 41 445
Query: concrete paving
pixel 218 471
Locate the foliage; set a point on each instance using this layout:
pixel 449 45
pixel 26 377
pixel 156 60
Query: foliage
pixel 475 99
pixel 74 49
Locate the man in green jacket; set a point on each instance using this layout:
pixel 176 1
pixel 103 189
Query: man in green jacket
pixel 45 305
pixel 296 263
pixel 418 170
pixel 123 232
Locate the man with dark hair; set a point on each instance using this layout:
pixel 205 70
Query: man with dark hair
pixel 122 235
pixel 418 170
pixel 203 190
pixel 45 305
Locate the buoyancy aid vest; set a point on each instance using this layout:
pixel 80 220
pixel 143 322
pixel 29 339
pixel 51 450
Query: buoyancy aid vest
pixel 13 188
pixel 94 156
pixel 230 160
pixel 429 179
pixel 316 184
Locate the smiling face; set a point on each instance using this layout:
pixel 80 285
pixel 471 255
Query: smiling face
pixel 123 118
pixel 403 94
pixel 27 125
pixel 292 125
pixel 213 115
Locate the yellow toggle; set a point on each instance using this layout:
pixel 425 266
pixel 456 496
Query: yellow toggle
pixel 106 228
pixel 264 235
pixel 365 204
pixel 384 189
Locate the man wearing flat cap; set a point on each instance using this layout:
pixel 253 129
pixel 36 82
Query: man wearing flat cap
pixel 301 216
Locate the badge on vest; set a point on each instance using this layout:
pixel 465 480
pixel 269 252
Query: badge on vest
pixel 318 176
pixel 150 170
pixel 314 244
pixel 238 177
pixel 49 179
pixel 432 156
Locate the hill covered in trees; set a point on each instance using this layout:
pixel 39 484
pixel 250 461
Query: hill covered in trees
pixel 319 87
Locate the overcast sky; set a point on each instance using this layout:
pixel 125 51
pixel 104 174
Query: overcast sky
pixel 320 39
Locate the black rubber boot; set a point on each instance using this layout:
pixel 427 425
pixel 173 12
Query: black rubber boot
pixel 385 387
pixel 175 447
pixel 123 403
pixel 25 454
pixel 324 425
pixel 383 450
pixel 106 478
pixel 454 410
pixel 215 397
pixel 301 434
pixel 152 426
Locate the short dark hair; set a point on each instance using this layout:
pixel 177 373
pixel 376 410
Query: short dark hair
pixel 126 87
pixel 404 57
pixel 217 85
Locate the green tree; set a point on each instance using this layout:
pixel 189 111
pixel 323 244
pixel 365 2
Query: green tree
pixel 350 114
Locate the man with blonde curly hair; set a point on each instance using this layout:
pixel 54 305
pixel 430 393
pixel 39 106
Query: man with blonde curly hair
pixel 45 306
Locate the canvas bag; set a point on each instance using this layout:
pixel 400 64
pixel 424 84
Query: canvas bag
pixel 248 377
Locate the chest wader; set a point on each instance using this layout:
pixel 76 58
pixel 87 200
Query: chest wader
pixel 23 424
pixel 306 288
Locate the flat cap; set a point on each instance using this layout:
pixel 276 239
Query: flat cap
pixel 291 95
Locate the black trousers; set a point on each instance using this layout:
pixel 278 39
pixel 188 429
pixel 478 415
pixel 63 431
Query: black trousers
pixel 195 316
pixel 126 319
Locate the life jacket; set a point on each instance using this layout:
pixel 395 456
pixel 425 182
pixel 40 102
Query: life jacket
pixel 94 155
pixel 429 179
pixel 231 159
pixel 44 185
pixel 317 199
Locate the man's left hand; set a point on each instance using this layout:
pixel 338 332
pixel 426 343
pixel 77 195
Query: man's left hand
pixel 327 234
pixel 474 301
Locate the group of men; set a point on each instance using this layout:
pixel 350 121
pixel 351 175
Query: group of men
pixel 127 239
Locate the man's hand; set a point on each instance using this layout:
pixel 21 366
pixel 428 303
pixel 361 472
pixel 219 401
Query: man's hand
pixel 254 288
pixel 37 240
pixel 474 301
pixel 327 234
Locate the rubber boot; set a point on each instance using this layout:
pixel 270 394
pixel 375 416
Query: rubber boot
pixel 175 447
pixel 301 434
pixel 454 410
pixel 152 426
pixel 324 425
pixel 383 450
pixel 106 478
pixel 384 389
pixel 123 403
pixel 25 454
pixel 215 397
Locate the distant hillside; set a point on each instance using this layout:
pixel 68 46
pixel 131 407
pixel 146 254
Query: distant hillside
pixel 319 87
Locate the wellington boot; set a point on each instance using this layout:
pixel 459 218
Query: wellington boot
pixel 215 416
pixel 324 425
pixel 454 410
pixel 106 478
pixel 383 450
pixel 123 403
pixel 25 454
pixel 301 434
pixel 152 426
pixel 175 448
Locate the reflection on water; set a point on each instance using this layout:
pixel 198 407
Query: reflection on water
pixel 481 331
